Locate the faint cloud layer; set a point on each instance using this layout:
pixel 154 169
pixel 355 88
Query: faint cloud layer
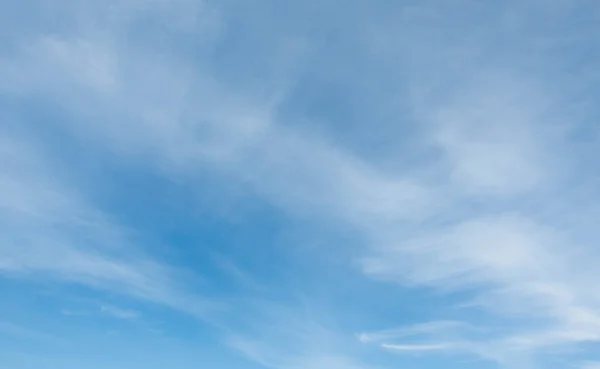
pixel 484 213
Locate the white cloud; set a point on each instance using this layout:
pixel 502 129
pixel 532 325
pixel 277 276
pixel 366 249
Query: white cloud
pixel 435 337
pixel 286 337
pixel 591 365
pixel 119 313
pixel 492 135
pixel 420 348
pixel 49 231
pixel 415 330
pixel 237 274
pixel 509 254
pixel 483 226
pixel 184 121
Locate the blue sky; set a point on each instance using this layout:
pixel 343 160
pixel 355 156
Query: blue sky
pixel 299 185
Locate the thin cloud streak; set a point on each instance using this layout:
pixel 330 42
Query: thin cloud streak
pixel 420 348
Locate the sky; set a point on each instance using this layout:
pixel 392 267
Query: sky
pixel 299 184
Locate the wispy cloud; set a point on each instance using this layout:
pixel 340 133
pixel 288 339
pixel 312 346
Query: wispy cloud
pixel 287 337
pixel 420 348
pixel 415 330
pixel 17 331
pixel 50 231
pixel 491 205
pixel 590 365
pixel 119 313
pixel 237 274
